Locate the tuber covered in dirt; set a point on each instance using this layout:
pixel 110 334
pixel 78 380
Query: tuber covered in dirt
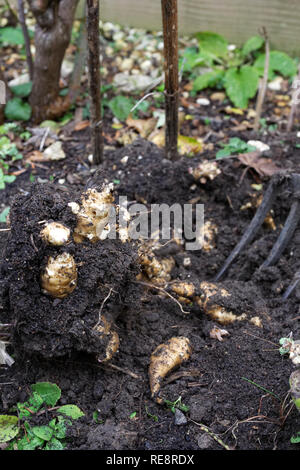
pixel 165 358
pixel 223 304
pixel 59 278
pixel 93 214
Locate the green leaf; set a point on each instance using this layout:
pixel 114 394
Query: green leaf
pixel 17 110
pixel 253 44
pixel 71 410
pixel 234 146
pixel 241 85
pixel 54 444
pixel 296 439
pixel 121 107
pixel 12 36
pixel 191 58
pixel 29 443
pixel 9 178
pixel 8 427
pixel 4 214
pixel 43 432
pixel 212 43
pixel 208 80
pixel 23 90
pixel 49 392
pixel 279 62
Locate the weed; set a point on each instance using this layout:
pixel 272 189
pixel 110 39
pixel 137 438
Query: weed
pixel 177 404
pixel 234 146
pixel 22 435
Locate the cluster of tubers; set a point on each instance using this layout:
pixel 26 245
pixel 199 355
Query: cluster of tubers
pixel 59 277
pixel 93 224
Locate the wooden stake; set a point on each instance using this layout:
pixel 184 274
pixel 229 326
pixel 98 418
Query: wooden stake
pixel 94 79
pixel 170 30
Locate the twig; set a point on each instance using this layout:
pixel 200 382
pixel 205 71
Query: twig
pixel 170 30
pixel 94 79
pixel 26 38
pixel 125 371
pixel 213 435
pixel 264 82
pixel 152 286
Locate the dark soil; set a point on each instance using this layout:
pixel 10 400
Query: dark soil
pixel 48 345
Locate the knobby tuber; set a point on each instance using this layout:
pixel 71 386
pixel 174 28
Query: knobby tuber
pixel 221 304
pixel 59 278
pixel 93 214
pixel 55 234
pixel 164 359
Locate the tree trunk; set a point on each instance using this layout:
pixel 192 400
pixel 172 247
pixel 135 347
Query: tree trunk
pixel 52 36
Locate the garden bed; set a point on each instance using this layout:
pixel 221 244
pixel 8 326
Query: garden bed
pixel 214 383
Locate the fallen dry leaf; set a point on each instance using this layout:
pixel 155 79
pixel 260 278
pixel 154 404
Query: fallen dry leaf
pixel 143 126
pixel 81 125
pixel 263 166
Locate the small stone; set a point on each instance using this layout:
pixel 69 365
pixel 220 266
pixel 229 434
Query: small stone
pixel 124 160
pixel 204 441
pixel 203 101
pixel 146 66
pixel 275 84
pixel 126 64
pixel 179 417
pixel 55 151
pixel 259 145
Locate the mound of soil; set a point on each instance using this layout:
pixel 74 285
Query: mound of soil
pixel 55 326
pixel 236 387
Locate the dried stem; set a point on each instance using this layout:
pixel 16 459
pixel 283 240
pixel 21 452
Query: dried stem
pixel 94 79
pixel 170 30
pixel 264 82
pixel 295 103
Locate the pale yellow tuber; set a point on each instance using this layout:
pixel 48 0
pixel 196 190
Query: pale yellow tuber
pixel 59 278
pixel 104 329
pixel 165 358
pixel 55 233
pixel 157 270
pixel 93 214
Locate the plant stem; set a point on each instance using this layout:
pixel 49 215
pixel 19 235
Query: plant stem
pixel 94 79
pixel 170 30
pixel 264 82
